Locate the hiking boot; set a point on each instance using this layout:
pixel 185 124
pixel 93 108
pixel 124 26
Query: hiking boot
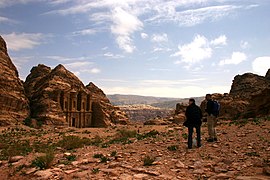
pixel 210 140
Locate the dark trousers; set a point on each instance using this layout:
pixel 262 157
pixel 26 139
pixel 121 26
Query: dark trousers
pixel 190 132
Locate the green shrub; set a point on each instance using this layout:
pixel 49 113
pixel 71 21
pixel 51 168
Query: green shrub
pixel 152 134
pixel 73 142
pixel 71 157
pixel 148 161
pixel 173 147
pixel 44 162
pixel 104 159
pixel 98 155
pixel 28 122
pixel 113 154
pixel 14 148
pixel 96 141
pixel 185 135
pixel 252 154
pixel 95 170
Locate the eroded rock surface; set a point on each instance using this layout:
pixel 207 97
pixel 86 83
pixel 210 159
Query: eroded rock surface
pixel 14 105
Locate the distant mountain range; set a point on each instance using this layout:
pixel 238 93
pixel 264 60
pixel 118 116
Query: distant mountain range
pixel 161 102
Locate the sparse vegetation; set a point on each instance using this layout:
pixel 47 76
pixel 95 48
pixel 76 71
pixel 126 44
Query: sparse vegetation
pixel 44 162
pixel 252 154
pixel 98 155
pixel 185 135
pixel 173 147
pixel 148 161
pixel 113 154
pixel 96 141
pixel 71 157
pixel 95 170
pixel 102 158
pixel 73 142
pixel 152 134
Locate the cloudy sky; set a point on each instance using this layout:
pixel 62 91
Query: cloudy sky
pixel 177 48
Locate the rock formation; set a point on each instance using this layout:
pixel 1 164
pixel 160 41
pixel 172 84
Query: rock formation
pixel 247 85
pixel 249 97
pixel 103 109
pixel 14 105
pixel 58 97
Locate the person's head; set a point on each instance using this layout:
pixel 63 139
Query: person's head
pixel 208 97
pixel 191 101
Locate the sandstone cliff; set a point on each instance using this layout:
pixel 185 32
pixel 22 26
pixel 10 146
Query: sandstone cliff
pixel 14 105
pixel 103 109
pixel 58 97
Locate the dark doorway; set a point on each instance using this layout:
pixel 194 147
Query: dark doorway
pixel 73 122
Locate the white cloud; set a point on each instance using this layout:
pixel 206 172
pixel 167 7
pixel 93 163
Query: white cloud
pixel 56 2
pixel 17 42
pixel 159 38
pixel 236 58
pixel 161 49
pixel 125 17
pixel 113 56
pixel 66 59
pixel 77 65
pixel 194 52
pixel 95 71
pixel 221 40
pixel 167 12
pixel 124 24
pixel 261 64
pixel 6 20
pixel 6 3
pixel 244 45
pixel 85 32
pixel 144 35
pixel 81 67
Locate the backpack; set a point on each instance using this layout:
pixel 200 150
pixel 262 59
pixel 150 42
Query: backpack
pixel 216 108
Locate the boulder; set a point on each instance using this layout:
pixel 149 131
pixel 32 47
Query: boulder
pixel 14 105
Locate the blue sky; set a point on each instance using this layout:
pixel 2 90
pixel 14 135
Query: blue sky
pixel 177 48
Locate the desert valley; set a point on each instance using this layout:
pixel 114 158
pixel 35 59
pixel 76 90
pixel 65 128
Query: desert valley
pixel 52 126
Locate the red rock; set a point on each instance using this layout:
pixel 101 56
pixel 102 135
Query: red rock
pixel 14 105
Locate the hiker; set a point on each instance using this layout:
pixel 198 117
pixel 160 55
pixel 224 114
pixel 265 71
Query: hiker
pixel 193 120
pixel 211 118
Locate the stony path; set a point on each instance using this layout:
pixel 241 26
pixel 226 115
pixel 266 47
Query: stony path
pixel 242 152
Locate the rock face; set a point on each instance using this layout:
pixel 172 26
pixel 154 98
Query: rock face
pixel 249 97
pixel 13 102
pixel 248 84
pixel 58 97
pixel 103 109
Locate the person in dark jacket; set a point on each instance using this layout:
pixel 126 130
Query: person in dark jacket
pixel 193 120
pixel 211 119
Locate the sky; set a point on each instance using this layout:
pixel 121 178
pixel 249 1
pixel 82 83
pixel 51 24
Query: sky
pixel 164 48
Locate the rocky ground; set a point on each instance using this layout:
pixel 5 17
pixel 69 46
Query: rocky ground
pixel 136 152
